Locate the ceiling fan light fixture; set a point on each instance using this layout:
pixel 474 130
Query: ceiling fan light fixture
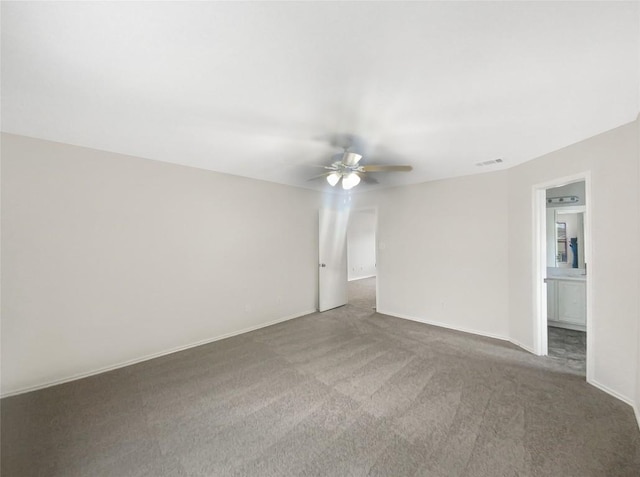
pixel 350 181
pixel 333 178
pixel 346 167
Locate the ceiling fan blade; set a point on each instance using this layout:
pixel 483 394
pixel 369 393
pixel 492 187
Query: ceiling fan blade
pixel 368 179
pixel 380 168
pixel 321 176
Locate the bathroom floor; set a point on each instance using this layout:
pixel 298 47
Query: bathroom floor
pixel 569 346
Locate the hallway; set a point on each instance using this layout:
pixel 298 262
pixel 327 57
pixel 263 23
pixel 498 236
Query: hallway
pixel 362 293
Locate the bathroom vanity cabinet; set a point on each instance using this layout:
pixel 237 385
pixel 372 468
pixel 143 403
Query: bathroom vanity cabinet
pixel 566 302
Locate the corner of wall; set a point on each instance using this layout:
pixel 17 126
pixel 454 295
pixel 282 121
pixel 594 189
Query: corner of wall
pixel 522 345
pixel 447 326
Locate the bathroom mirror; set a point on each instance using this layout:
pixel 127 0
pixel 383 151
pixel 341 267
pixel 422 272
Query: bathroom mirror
pixel 565 237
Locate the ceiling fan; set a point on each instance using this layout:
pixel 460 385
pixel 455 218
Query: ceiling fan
pixel 348 169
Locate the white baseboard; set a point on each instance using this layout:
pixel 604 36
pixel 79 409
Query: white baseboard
pixel 613 393
pixel 361 278
pixel 523 346
pixel 151 356
pixel 443 325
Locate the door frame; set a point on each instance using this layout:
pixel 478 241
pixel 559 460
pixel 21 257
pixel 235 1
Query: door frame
pixel 539 266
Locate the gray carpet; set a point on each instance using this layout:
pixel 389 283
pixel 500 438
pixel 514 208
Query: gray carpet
pixel 346 392
pixel 568 347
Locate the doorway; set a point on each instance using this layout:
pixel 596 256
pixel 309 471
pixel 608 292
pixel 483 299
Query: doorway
pixel 361 259
pixel 563 321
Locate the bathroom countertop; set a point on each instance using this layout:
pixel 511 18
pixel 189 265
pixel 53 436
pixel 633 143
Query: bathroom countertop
pixel 581 278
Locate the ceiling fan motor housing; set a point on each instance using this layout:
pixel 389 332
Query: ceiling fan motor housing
pixel 351 158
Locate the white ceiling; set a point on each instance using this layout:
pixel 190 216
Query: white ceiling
pixel 254 89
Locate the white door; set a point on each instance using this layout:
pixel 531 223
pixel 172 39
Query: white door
pixel 332 266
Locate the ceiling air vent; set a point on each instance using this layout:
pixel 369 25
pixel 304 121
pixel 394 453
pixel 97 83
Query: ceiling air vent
pixel 489 163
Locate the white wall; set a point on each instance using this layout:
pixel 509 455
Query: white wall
pixel 442 252
pixel 612 158
pixel 361 244
pixel 110 258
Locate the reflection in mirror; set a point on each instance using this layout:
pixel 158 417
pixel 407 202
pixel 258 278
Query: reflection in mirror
pixel 565 237
pixel 561 242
